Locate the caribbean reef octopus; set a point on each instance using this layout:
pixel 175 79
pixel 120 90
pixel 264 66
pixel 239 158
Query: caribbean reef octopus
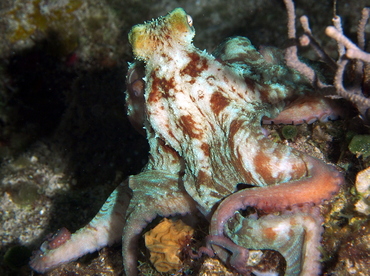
pixel 202 117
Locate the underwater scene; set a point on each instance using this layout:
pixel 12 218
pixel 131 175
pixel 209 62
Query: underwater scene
pixel 184 137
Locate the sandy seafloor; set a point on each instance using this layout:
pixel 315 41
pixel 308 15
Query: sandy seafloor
pixel 65 140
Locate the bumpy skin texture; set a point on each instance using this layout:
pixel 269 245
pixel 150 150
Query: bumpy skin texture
pixel 202 117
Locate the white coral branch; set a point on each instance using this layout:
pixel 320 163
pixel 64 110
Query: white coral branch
pixel 353 51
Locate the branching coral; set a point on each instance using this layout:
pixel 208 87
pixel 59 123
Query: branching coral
pixel 347 51
pixel 165 242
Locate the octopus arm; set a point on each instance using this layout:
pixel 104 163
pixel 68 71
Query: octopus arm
pixel 321 183
pixel 104 229
pixel 296 236
pixel 307 109
pixel 164 198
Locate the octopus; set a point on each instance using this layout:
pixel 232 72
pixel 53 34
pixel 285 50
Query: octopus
pixel 202 115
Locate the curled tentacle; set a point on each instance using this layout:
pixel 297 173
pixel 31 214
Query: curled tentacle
pixel 321 183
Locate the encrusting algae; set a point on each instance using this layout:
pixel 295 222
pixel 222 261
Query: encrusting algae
pixel 39 18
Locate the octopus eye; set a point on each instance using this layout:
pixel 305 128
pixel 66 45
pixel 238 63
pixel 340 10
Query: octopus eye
pixel 190 20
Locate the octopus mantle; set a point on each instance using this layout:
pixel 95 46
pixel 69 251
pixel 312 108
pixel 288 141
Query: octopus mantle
pixel 202 117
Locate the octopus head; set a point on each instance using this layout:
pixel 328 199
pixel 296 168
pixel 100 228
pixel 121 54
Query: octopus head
pixel 173 30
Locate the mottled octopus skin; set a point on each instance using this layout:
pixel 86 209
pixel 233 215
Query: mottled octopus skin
pixel 287 233
pixel 202 116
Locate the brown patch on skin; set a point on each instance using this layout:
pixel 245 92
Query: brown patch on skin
pixel 203 179
pixel 263 168
pixel 269 233
pixel 169 131
pixel 235 126
pixel 205 149
pixel 241 95
pixel 239 166
pixel 155 95
pixel 264 95
pixel 189 127
pixel 166 57
pixel 250 84
pixel 91 227
pixel 195 67
pixel 169 150
pixel 218 102
pixel 160 87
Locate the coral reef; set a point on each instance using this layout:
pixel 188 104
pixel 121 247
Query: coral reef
pixel 347 52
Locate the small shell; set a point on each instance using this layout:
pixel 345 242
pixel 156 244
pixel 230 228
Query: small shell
pixel 363 188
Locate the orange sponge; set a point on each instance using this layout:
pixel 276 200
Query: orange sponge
pixel 165 242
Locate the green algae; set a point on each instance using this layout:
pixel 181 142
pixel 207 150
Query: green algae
pixel 289 132
pixel 360 145
pixel 24 194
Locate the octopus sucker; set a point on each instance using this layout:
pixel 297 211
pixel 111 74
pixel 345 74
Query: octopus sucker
pixel 59 238
pixel 202 117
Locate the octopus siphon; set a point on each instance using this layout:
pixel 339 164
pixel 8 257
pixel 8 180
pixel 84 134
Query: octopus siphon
pixel 202 115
